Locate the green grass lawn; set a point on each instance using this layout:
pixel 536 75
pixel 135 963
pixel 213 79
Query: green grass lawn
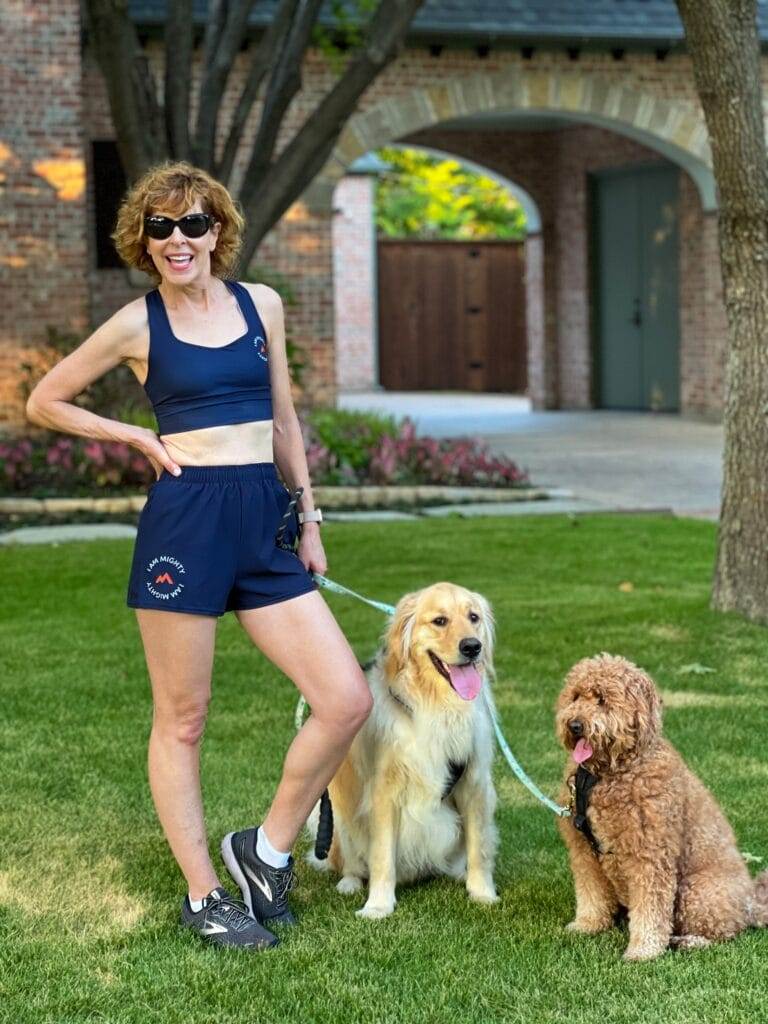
pixel 89 895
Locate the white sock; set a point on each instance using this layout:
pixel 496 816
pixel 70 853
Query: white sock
pixel 265 851
pixel 196 905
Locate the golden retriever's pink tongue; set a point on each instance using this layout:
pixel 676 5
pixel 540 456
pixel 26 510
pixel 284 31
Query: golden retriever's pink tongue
pixel 466 681
pixel 582 752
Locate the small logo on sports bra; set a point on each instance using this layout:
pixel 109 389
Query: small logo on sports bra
pixel 164 572
pixel 261 347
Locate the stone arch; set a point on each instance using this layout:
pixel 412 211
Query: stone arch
pixel 673 128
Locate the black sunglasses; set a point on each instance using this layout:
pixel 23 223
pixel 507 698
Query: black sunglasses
pixel 193 225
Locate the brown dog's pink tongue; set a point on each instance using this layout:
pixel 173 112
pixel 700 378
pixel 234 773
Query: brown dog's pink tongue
pixel 466 681
pixel 582 752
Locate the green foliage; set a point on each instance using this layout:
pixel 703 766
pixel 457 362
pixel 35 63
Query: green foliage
pixel 349 434
pixel 347 32
pixel 425 197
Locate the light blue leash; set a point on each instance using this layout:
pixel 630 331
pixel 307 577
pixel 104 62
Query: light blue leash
pixel 511 760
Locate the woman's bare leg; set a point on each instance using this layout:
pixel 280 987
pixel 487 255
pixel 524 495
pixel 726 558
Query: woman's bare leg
pixel 179 652
pixel 303 639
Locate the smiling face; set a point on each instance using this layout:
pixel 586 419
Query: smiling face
pixel 440 644
pixel 608 711
pixel 180 260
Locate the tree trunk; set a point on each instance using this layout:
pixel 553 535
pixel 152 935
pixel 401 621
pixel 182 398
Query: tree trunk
pixel 722 40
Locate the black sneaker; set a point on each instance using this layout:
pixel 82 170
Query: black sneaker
pixel 265 889
pixel 226 922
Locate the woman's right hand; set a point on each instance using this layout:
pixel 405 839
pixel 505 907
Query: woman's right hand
pixel 149 444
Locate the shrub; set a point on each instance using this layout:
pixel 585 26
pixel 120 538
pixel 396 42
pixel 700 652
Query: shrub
pixel 359 448
pixel 51 464
pixel 108 396
pixel 349 438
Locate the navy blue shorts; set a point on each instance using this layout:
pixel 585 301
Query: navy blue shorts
pixel 206 542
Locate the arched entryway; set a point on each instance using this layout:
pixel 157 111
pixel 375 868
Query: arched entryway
pixel 467 117
pixel 417 314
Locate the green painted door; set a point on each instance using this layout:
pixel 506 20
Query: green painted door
pixel 636 315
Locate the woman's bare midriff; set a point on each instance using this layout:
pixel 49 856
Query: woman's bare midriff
pixel 236 444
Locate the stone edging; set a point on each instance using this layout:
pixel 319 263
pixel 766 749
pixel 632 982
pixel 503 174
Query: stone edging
pixel 326 497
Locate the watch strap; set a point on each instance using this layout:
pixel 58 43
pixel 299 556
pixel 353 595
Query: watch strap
pixel 314 516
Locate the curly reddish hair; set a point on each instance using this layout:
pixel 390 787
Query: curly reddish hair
pixel 173 187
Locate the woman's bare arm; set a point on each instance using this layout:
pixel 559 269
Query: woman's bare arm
pixel 51 402
pixel 288 443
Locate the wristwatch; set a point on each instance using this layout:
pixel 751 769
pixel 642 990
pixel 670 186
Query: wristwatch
pixel 315 516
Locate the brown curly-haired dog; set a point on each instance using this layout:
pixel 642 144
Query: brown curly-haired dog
pixel 655 840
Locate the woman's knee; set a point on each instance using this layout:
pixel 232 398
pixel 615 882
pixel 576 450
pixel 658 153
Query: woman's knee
pixel 362 704
pixel 183 722
pixel 347 709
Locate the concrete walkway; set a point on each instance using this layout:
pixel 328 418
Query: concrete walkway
pixel 612 460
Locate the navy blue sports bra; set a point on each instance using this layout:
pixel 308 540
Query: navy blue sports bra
pixel 193 386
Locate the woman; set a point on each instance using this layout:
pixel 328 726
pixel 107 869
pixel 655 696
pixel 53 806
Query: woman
pixel 210 354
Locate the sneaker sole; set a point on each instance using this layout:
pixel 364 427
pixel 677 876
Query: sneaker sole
pixel 230 862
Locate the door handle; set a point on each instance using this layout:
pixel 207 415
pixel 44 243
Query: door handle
pixel 474 309
pixel 637 316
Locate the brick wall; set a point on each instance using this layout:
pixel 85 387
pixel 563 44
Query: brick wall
pixel 42 178
pixel 53 243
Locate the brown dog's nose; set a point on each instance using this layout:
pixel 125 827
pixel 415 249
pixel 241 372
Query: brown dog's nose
pixel 576 727
pixel 470 647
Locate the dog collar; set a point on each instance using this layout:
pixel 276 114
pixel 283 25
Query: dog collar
pixel 582 788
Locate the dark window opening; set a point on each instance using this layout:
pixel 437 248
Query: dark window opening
pixel 109 187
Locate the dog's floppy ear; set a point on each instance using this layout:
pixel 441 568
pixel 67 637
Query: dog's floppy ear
pixel 489 626
pixel 397 639
pixel 648 716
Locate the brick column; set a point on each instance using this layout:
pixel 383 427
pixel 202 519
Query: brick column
pixel 355 283
pixel 703 324
pixel 44 259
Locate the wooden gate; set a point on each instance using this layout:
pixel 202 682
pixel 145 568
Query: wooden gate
pixel 452 316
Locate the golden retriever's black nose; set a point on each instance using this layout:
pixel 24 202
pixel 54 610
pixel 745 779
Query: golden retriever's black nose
pixel 470 647
pixel 576 727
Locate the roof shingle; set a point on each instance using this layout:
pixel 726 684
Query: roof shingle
pixel 575 21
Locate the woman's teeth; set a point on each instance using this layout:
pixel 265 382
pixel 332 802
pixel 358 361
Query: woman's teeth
pixel 179 262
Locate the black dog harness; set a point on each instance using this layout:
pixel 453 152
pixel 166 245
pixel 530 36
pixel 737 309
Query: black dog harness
pixel 455 771
pixel 582 788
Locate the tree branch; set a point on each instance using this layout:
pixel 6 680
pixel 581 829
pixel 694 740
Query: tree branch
pixel 265 201
pixel 133 102
pixel 232 22
pixel 263 59
pixel 284 83
pixel 178 61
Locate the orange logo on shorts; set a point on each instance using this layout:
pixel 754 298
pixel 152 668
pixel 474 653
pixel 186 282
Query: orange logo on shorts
pixel 159 571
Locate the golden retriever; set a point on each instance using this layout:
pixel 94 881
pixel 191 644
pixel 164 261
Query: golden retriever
pixel 414 796
pixel 649 836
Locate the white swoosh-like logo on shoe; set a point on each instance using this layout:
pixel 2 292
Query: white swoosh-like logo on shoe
pixel 260 883
pixel 212 928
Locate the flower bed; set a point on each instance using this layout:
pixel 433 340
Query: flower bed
pixel 343 448
pixel 392 453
